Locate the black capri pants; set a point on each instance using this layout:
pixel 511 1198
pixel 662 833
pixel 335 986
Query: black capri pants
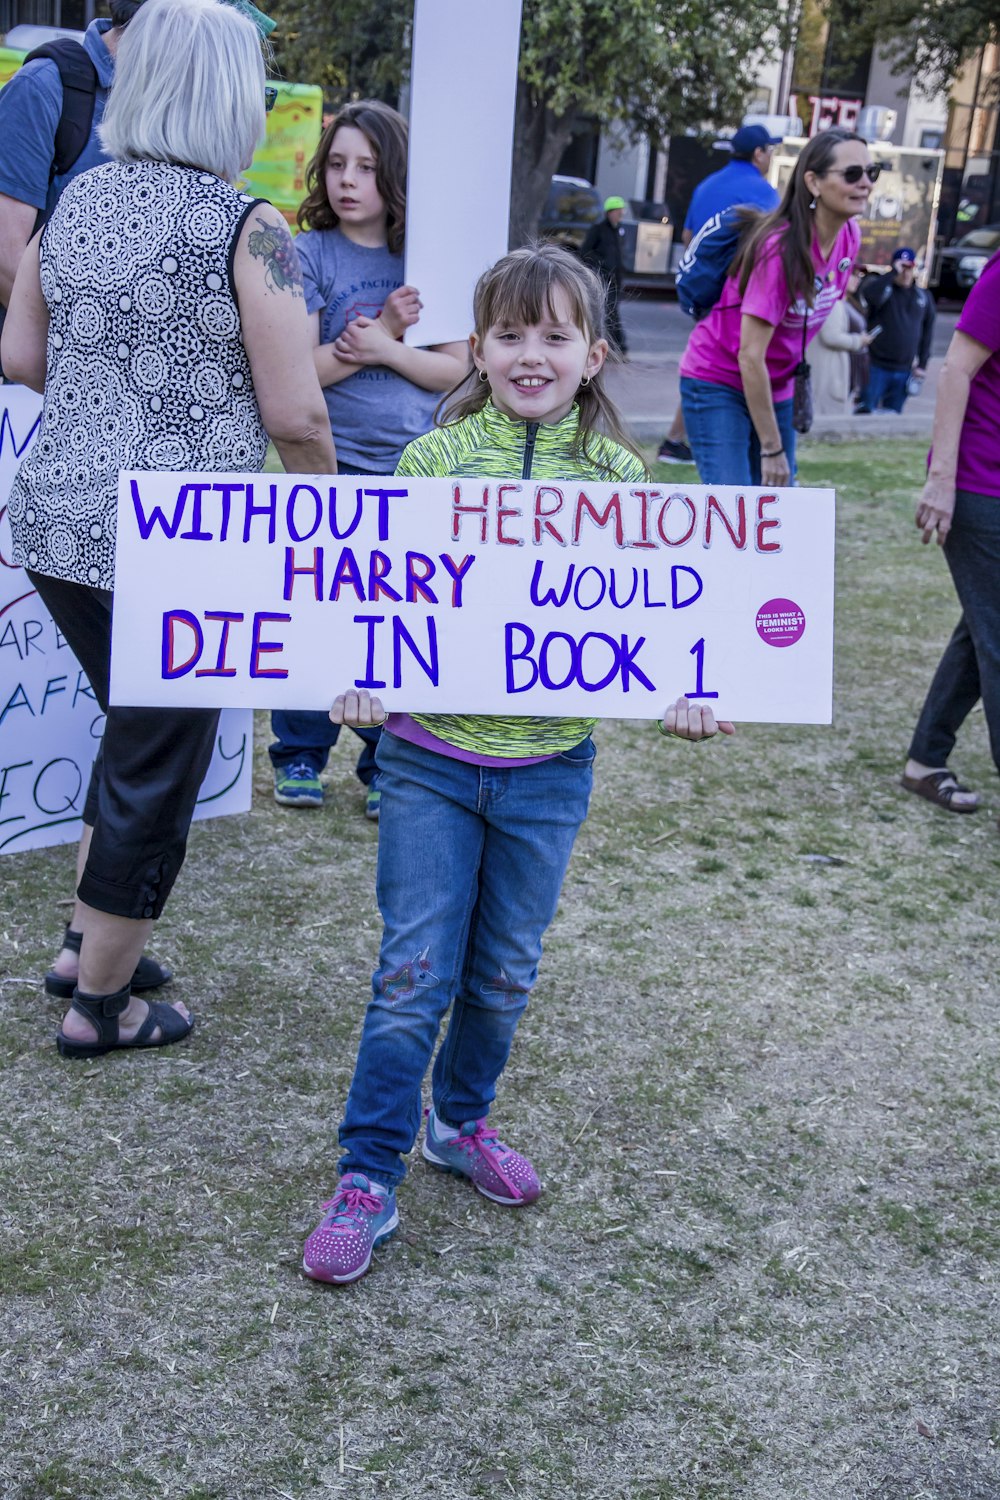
pixel 147 774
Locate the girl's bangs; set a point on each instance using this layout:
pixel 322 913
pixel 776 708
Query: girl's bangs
pixel 523 292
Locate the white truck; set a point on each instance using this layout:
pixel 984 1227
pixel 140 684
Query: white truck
pixel 903 206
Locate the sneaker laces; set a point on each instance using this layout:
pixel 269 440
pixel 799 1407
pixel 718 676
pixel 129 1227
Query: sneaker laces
pixel 488 1144
pixel 300 772
pixel 353 1203
pixel 479 1139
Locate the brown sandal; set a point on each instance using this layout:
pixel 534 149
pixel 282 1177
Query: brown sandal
pixel 940 787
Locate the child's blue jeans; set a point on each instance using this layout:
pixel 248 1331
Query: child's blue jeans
pixel 471 860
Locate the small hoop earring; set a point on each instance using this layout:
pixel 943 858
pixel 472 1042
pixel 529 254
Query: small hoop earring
pixel 483 376
pixel 585 380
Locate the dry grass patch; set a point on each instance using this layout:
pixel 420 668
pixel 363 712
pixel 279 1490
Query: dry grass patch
pixel 760 1086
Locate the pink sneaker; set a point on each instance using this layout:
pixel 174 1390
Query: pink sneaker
pixel 360 1214
pixel 494 1169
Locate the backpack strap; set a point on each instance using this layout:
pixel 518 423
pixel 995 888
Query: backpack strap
pixel 79 85
pixel 706 261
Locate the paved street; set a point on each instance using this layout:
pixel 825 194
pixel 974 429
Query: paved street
pixel 646 388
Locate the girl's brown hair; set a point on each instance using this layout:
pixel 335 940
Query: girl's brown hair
pixel 385 131
pixel 521 288
pixel 793 217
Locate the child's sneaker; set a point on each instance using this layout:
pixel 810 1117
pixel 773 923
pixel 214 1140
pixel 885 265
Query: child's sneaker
pixel 477 1153
pixel 297 786
pixel 373 798
pixel 673 452
pixel 359 1215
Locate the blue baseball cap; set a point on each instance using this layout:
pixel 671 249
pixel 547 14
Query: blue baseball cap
pixel 749 137
pixel 905 254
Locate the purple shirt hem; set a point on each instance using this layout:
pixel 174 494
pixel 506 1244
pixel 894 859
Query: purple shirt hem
pixel 406 728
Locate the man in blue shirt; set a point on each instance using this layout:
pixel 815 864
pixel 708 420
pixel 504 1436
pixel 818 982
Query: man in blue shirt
pixel 30 109
pixel 742 181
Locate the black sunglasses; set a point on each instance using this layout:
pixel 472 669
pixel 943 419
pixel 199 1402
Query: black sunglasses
pixel 270 96
pixel 854 174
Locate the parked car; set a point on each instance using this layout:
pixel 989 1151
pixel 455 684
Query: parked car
pixel 572 207
pixel 959 265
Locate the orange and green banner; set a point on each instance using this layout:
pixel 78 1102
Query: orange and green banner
pixel 10 60
pixel 294 125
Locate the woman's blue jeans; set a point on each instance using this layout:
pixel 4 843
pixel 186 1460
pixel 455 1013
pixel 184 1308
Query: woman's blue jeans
pixel 722 436
pixel 471 861
pixel 970 667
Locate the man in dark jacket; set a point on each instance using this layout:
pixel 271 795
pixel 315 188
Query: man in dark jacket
pixel 903 313
pixel 602 250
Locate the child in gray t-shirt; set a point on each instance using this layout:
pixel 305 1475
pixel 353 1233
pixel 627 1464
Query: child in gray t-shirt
pixel 380 393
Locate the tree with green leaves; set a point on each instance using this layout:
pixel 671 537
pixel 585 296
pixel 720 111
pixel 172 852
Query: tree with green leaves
pixel 926 38
pixel 356 50
pixel 656 69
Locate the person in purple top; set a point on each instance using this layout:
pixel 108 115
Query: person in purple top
pixel 960 504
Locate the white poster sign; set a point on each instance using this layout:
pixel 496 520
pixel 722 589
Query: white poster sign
pixel 473 595
pixel 50 722
pixel 462 88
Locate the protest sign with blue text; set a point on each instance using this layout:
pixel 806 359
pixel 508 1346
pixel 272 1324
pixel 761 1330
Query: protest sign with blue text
pixel 473 595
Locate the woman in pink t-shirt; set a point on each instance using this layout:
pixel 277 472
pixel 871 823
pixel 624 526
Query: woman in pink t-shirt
pixel 792 265
pixel 961 505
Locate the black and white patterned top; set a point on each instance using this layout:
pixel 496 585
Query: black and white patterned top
pixel 146 364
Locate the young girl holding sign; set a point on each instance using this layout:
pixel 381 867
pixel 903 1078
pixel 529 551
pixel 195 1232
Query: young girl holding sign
pixel 479 814
pixel 379 392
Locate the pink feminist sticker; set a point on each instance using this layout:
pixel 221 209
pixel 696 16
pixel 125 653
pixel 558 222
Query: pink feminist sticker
pixel 780 622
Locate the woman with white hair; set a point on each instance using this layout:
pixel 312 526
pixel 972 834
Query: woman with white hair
pixel 161 313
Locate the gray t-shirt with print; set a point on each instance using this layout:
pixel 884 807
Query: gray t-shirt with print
pixel 375 412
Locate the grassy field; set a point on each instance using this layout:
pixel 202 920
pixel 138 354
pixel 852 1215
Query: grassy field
pixel 758 1078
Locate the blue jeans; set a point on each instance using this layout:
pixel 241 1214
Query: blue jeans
pixel 471 861
pixel 970 667
pixel 306 737
pixel 722 436
pixel 885 388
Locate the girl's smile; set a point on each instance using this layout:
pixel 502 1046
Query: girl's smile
pixel 536 369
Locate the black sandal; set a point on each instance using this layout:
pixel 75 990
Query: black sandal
pixel 102 1011
pixel 149 975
